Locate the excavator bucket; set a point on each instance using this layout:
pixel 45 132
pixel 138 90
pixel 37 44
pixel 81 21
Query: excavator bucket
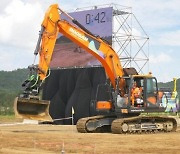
pixel 32 109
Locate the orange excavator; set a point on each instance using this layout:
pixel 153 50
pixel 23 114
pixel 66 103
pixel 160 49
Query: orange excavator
pixel 113 101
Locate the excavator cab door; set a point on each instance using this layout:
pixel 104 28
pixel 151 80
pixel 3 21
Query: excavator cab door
pixel 151 92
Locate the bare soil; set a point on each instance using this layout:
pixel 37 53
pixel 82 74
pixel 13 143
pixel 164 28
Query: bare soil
pixel 19 138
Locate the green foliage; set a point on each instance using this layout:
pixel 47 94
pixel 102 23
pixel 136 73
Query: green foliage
pixel 10 87
pixel 170 85
pixel 12 80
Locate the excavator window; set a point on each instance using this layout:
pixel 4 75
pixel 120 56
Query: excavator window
pixel 103 93
pixel 151 91
pixel 127 85
pixel 151 86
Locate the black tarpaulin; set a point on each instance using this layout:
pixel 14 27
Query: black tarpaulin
pixel 73 87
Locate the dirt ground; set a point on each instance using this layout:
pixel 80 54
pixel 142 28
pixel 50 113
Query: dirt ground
pixel 21 138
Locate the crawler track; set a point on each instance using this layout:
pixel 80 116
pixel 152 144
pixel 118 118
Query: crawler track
pixel 133 125
pixel 143 125
pixel 93 124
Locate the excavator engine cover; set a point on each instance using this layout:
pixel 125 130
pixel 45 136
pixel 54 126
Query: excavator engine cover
pixel 34 109
pixel 130 71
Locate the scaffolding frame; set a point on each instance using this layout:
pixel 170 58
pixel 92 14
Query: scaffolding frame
pixel 129 39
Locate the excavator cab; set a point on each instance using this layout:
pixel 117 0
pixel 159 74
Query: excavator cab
pixel 146 97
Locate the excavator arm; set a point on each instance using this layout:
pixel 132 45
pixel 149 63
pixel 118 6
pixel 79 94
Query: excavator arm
pixel 47 41
pixel 51 26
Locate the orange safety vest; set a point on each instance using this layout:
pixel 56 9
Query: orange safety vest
pixel 135 93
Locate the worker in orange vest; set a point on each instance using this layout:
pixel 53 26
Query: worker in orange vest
pixel 135 92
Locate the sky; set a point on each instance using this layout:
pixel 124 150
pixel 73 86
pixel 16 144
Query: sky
pixel 20 22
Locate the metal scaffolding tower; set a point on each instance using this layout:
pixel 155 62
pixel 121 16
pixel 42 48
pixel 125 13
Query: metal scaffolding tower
pixel 129 39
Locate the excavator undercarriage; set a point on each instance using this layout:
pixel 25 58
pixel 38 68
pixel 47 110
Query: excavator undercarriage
pixel 132 125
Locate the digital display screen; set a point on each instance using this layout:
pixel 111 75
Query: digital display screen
pixel 68 54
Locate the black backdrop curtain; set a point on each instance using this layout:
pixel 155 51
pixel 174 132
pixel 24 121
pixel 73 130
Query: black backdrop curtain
pixel 73 87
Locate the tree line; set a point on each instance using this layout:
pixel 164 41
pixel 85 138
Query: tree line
pixel 10 87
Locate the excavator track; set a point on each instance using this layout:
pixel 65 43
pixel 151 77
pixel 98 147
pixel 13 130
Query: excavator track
pixel 143 124
pixel 95 124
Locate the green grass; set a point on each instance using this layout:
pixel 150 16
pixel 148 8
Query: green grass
pixel 162 114
pixel 8 118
